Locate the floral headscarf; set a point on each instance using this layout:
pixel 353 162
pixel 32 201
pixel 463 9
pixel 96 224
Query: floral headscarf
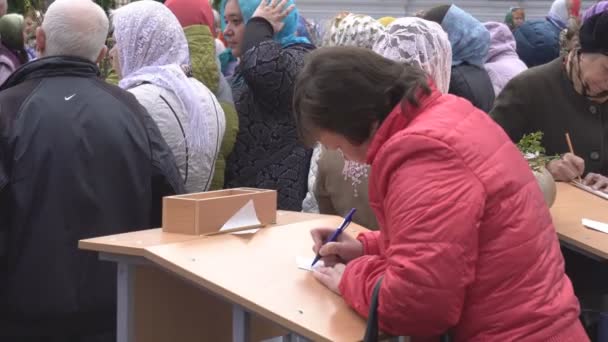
pixel 353 30
pixel 153 48
pixel 419 42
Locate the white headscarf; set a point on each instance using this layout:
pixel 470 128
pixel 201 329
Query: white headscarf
pixel 153 48
pixel 419 42
pixel 353 30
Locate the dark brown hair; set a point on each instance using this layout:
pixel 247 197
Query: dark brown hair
pixel 346 90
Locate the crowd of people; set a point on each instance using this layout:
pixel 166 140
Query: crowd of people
pixel 411 120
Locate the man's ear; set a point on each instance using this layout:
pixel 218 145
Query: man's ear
pixel 102 54
pixel 40 41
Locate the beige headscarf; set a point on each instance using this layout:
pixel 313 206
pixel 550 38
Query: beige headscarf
pixel 353 30
pixel 419 42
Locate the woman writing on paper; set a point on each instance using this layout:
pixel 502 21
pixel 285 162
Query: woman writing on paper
pixel 466 242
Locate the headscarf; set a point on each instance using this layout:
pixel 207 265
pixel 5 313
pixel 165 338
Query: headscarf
pixel 419 42
pixel 469 38
pixel 153 48
pixel 502 63
pixel 559 13
pixel 11 34
pixel 385 21
pixel 562 10
pixel 598 8
pixel 509 17
pixel 193 12
pixel 309 29
pixel 286 37
pixel 353 30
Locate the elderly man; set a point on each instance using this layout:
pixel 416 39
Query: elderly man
pixel 568 95
pixel 78 158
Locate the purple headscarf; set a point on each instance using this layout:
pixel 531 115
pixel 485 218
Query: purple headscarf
pixel 153 48
pixel 598 8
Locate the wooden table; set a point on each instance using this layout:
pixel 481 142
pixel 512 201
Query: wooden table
pixel 251 285
pixel 571 206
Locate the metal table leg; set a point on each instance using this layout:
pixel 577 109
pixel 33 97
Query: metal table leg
pixel 240 324
pixel 292 337
pixel 124 306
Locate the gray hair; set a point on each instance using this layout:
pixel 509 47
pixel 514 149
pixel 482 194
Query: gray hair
pixel 76 28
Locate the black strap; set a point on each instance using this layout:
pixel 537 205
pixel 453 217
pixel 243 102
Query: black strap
pixel 372 332
pixel 185 138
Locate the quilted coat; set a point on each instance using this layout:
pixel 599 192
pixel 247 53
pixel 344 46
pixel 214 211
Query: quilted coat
pixel 467 244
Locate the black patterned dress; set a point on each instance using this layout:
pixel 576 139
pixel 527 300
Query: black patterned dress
pixel 267 153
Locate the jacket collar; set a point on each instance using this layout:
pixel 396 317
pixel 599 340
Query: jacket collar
pixel 52 67
pixel 401 116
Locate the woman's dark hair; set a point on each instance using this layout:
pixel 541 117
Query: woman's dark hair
pixel 346 90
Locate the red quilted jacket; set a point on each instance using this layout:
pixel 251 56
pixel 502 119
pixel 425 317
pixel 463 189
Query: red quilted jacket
pixel 467 244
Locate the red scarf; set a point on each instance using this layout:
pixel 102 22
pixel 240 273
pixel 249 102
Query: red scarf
pixel 193 12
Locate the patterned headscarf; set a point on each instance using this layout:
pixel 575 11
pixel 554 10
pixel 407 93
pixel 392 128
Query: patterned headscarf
pixel 419 42
pixel 153 48
pixel 353 30
pixel 469 38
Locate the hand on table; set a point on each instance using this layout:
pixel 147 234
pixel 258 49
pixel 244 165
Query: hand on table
pixel 566 169
pixel 347 248
pixel 330 276
pixel 596 182
pixel 275 12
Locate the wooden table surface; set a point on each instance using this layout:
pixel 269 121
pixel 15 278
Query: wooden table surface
pixel 259 272
pixel 571 206
pixel 134 243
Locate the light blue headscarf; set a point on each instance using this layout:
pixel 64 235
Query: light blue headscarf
pixel 286 37
pixel 470 40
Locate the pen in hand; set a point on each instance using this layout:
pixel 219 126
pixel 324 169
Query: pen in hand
pixel 347 220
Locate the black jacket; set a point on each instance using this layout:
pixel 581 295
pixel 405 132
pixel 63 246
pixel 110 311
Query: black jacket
pixel 267 153
pixel 79 158
pixel 544 99
pixel 473 83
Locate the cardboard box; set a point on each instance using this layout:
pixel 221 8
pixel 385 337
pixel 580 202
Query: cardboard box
pixel 207 212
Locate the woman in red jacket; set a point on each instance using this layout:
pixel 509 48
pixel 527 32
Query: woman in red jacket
pixel 466 244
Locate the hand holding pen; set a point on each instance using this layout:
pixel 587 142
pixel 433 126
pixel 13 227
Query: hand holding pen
pixel 344 249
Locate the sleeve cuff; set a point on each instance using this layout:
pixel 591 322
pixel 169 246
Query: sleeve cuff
pixel 370 243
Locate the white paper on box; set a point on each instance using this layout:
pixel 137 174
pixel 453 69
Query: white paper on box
pixel 244 217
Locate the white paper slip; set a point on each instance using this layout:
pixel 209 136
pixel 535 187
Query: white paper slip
pixel 304 263
pixel 595 225
pixel 590 190
pixel 245 217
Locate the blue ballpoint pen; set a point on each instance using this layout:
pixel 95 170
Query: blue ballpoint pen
pixel 347 220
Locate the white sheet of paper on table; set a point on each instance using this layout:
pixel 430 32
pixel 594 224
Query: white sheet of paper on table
pixel 304 263
pixel 244 217
pixel 595 225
